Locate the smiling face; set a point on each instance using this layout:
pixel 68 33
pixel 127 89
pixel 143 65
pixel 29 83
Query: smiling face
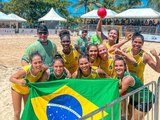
pixel 43 35
pixel 37 63
pixel 112 35
pixel 58 68
pixel 102 51
pixel 65 42
pixel 119 67
pixel 137 44
pixel 84 66
pixel 92 53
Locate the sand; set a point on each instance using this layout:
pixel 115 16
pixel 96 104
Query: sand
pixel 11 51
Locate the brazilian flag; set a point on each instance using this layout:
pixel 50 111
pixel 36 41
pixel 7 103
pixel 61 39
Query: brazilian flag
pixel 70 99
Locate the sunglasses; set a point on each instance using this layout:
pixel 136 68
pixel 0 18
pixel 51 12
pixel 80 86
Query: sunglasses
pixel 45 33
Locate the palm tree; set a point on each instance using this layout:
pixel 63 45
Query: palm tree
pixel 1 5
pixel 123 5
pixel 87 4
pixel 155 4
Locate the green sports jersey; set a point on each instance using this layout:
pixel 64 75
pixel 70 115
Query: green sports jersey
pixel 95 39
pixel 144 95
pixel 46 51
pixel 52 75
pixel 82 43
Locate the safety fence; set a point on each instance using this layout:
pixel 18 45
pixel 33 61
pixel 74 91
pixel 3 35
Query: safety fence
pixel 155 30
pixel 146 108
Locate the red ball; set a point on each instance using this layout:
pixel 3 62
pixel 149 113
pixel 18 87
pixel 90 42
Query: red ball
pixel 101 12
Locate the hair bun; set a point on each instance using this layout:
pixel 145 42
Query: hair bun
pixel 137 32
pixel 57 56
pixel 64 32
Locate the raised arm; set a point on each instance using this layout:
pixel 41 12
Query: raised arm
pixel 155 65
pixel 118 45
pixel 128 58
pixel 99 30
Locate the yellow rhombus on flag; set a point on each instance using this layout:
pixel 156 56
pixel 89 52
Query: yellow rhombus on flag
pixel 70 99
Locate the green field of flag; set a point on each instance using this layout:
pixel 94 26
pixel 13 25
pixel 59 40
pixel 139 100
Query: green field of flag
pixel 70 99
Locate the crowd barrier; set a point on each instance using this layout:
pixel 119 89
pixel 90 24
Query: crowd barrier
pixel 130 28
pixel 27 31
pixel 153 114
pixel 7 31
pixel 22 31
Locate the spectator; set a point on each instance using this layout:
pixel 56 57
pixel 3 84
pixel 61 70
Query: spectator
pixel 45 47
pixel 82 41
pixel 95 39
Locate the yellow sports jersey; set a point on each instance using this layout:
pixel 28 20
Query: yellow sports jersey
pixel 71 60
pixel 108 66
pixel 93 74
pixel 96 62
pixel 30 77
pixel 108 47
pixel 106 44
pixel 138 69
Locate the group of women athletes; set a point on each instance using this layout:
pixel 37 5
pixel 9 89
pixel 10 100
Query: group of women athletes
pixel 105 60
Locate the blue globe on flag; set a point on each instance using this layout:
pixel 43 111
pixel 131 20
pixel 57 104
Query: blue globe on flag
pixel 64 107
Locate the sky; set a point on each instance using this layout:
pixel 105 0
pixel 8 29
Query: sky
pixel 81 11
pixel 72 9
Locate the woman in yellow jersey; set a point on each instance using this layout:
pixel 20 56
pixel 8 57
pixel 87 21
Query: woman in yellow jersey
pixel 29 73
pixel 86 71
pixel 107 60
pixel 112 41
pixel 92 52
pixel 69 53
pixel 142 58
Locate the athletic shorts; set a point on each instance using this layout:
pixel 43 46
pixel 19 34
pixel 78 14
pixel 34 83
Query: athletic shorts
pixel 146 106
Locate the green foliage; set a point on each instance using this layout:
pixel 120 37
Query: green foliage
pixel 72 23
pixel 124 4
pixel 155 4
pixel 32 10
pixel 87 4
pixel 1 6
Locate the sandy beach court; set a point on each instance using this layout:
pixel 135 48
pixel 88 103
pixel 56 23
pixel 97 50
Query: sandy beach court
pixel 11 51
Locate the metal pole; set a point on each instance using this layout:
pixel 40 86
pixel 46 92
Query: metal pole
pixel 157 100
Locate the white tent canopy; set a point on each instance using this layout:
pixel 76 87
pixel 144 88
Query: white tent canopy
pixel 52 16
pixel 138 13
pixel 93 14
pixel 4 17
pixel 16 18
